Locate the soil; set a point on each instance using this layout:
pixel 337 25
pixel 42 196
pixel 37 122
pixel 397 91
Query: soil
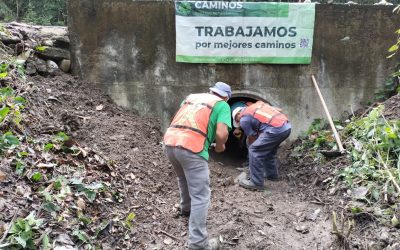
pixel 293 213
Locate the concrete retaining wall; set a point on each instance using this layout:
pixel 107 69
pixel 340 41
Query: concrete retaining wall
pixel 128 48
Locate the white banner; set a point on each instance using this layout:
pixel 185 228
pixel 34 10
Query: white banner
pixel 244 32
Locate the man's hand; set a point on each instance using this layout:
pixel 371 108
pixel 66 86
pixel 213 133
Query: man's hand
pixel 251 139
pixel 219 148
pixel 237 133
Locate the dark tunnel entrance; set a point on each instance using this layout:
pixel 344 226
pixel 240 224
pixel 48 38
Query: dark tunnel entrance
pixel 236 151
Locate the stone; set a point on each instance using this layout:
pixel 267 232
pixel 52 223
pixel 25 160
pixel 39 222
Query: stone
pixel 48 43
pixel 21 58
pixel 55 54
pixel 51 67
pixel 65 65
pixel 40 66
pixel 30 68
pixel 61 42
pixel 384 236
pixel 8 39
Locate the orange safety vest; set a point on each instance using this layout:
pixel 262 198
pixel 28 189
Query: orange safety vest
pixel 188 129
pixel 265 113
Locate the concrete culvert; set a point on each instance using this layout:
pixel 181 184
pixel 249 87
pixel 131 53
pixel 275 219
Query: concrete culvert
pixel 236 151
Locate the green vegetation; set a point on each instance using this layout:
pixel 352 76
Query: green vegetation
pixel 372 170
pixel 23 232
pixel 43 12
pixel 374 148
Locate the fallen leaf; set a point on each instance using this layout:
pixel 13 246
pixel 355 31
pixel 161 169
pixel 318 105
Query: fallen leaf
pixel 359 192
pixel 64 239
pixel 99 107
pixel 81 203
pixel 3 176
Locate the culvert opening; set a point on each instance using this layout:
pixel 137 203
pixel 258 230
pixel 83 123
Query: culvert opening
pixel 236 151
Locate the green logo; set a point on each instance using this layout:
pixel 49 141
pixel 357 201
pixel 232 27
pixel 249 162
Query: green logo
pixel 184 8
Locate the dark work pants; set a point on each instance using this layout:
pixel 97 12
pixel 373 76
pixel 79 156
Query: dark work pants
pixel 262 156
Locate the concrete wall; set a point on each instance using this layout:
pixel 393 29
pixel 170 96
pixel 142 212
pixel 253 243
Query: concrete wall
pixel 128 48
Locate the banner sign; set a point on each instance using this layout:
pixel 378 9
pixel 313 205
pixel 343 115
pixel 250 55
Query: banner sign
pixel 244 32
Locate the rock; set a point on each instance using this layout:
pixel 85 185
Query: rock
pixel 167 241
pixel 8 39
pixel 65 65
pixel 313 215
pixel 302 229
pixel 384 236
pixel 55 54
pixel 48 43
pixel 21 58
pixel 61 42
pixel 30 68
pixel 40 66
pixel 52 67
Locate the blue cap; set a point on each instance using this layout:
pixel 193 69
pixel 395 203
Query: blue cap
pixel 222 89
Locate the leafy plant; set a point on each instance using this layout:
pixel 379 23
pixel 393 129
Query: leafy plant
pixel 11 106
pixel 319 136
pixel 89 190
pixel 390 88
pixel 395 47
pixel 129 219
pixel 23 231
pixel 8 141
pixel 41 48
pixel 375 153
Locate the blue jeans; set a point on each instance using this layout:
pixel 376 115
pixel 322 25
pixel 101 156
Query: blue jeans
pixel 262 156
pixel 194 187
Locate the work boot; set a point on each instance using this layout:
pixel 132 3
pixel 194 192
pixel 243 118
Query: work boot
pixel 249 184
pixel 213 244
pixel 272 178
pixel 181 213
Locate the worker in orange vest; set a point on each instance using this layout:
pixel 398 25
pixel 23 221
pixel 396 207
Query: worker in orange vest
pixel 201 119
pixel 266 128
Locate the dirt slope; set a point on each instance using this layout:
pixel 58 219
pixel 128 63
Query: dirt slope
pixel 276 219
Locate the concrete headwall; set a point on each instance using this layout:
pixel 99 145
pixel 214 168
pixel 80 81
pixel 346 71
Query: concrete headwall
pixel 128 48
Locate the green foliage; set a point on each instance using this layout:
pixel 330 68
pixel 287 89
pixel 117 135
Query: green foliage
pixel 129 219
pixel 8 141
pixel 41 48
pixel 89 190
pixel 10 107
pixel 23 231
pixel 36 177
pixel 375 151
pixel 3 70
pixel 395 47
pixel 43 12
pixel 391 87
pixel 318 137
